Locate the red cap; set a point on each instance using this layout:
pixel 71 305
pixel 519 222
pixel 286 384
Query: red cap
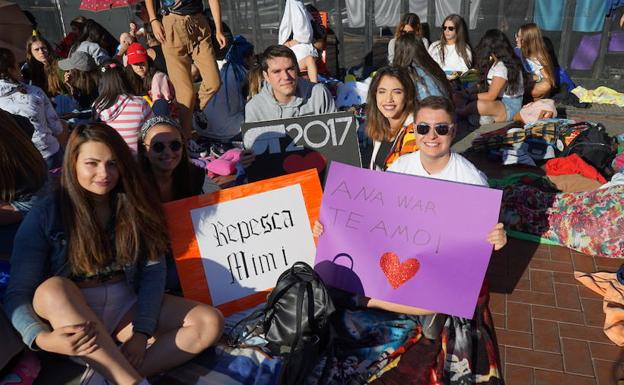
pixel 136 54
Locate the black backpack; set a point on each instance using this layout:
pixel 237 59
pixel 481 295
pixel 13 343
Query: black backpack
pixel 596 148
pixel 295 321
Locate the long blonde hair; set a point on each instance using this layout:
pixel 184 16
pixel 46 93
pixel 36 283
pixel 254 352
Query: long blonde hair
pixel 532 46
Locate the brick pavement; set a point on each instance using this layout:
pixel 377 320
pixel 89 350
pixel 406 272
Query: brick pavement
pixel 549 327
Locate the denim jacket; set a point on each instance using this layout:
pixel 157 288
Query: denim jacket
pixel 40 252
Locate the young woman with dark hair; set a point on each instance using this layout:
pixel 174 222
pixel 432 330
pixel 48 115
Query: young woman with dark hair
pixel 410 23
pixel 428 78
pixel 118 107
pixel 452 52
pixel 501 80
pixel 169 170
pixel 41 67
pixel 23 173
pixel 32 103
pixel 90 271
pixel 389 112
pixel 530 41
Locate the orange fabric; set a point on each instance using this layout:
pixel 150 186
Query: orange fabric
pixel 607 285
pixel 572 164
pixel 405 144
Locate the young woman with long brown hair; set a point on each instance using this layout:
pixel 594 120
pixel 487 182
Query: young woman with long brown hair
pixel 390 106
pixel 41 67
pixel 531 43
pixel 452 52
pixel 23 173
pixel 410 23
pixel 90 270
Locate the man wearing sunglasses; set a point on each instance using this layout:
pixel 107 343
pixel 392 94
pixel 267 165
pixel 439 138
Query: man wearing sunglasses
pixel 435 130
pixel 284 94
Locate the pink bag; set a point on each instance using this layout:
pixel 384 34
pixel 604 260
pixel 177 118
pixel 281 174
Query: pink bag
pixel 533 111
pixel 226 163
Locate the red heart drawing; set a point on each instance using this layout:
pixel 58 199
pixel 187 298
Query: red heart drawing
pixel 398 272
pixel 295 162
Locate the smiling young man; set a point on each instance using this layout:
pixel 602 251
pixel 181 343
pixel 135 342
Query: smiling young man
pixel 284 94
pixel 435 130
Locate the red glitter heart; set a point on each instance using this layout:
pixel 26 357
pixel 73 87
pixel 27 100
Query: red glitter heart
pixel 398 272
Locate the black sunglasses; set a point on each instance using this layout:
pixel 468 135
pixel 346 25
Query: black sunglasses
pixel 174 145
pixel 450 28
pixel 440 128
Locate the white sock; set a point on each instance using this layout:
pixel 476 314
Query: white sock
pixel 144 382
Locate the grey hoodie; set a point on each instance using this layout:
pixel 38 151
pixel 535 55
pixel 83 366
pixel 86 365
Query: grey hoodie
pixel 32 103
pixel 310 99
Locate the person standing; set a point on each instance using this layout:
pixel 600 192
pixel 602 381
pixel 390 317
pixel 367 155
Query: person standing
pixel 185 36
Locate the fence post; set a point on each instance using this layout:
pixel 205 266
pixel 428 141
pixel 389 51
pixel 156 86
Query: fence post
pixel 368 32
pixel 257 29
pixel 431 14
pixel 337 24
pixel 566 32
pixel 604 47
pixel 404 6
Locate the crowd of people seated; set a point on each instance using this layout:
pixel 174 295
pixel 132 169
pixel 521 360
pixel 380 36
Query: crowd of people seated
pixel 98 132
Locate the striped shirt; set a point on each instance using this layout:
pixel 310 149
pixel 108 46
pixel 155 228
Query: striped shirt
pixel 127 116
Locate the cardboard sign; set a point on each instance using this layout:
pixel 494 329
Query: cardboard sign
pixel 406 239
pixel 230 246
pixel 292 145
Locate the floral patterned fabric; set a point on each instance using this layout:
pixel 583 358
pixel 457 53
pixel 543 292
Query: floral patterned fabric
pixel 588 222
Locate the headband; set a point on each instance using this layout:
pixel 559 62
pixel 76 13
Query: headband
pixel 158 120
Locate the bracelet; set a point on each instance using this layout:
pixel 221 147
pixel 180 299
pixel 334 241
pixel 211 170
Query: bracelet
pixel 153 20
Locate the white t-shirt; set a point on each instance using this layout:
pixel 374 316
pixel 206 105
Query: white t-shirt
pixel 458 169
pixel 453 62
pixel 500 70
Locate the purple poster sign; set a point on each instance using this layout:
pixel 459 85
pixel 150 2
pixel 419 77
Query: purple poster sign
pixel 404 239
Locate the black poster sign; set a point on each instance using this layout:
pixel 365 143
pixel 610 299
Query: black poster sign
pixel 291 145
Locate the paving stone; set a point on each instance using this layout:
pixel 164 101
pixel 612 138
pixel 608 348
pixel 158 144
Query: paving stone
pixel 548 377
pixel 567 296
pixel 546 336
pixel 518 375
pixel 541 360
pixel 514 338
pixel 581 332
pixel 563 277
pixel 518 316
pixel 583 263
pixel 552 266
pixel 556 314
pixel 608 264
pixel 497 303
pixel 560 254
pixel 576 357
pixel 541 281
pixel 609 352
pixel 592 311
pixel 531 297
pixel 608 372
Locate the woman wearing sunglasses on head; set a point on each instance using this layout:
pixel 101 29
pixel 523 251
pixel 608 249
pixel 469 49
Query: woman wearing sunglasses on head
pixel 169 171
pixel 539 63
pixel 452 52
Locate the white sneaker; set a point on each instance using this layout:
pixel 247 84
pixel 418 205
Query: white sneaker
pixel 92 377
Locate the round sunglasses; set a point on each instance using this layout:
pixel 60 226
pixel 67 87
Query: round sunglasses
pixel 174 145
pixel 450 28
pixel 440 128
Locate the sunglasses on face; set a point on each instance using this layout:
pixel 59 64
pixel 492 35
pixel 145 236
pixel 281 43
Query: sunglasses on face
pixel 450 28
pixel 440 128
pixel 174 145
